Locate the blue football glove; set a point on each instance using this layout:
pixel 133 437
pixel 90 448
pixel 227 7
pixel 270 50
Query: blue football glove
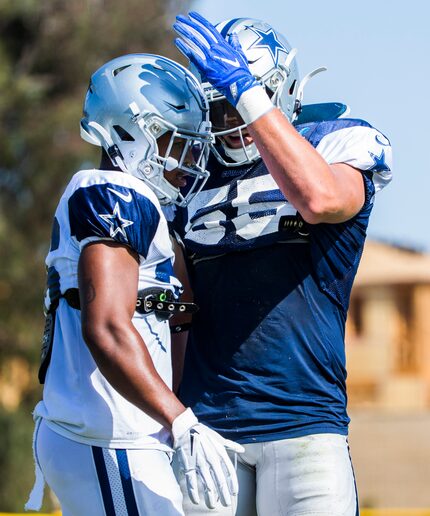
pixel 219 62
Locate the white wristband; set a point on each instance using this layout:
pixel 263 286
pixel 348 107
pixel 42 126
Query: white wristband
pixel 253 104
pixel 183 423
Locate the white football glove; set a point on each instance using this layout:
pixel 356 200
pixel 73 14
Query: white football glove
pixel 202 455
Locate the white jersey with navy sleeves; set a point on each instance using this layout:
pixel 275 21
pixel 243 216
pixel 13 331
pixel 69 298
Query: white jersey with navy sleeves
pixel 78 402
pixel 266 357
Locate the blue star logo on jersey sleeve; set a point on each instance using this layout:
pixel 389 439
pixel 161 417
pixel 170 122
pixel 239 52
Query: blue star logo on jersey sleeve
pixel 116 222
pixel 113 211
pixel 379 164
pixel 269 41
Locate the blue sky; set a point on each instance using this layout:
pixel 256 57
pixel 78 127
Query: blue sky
pixel 378 59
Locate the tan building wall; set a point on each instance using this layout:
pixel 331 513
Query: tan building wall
pixel 388 331
pixel 388 362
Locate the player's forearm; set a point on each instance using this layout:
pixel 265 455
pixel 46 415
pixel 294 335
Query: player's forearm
pixel 123 359
pixel 302 175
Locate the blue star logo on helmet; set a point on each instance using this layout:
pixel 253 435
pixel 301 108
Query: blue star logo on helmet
pixel 269 41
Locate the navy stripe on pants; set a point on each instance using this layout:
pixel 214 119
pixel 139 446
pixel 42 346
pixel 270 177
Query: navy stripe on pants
pixel 103 480
pixel 124 471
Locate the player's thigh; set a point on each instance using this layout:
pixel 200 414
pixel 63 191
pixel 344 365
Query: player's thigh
pixel 309 475
pixel 246 503
pixel 243 505
pixel 68 468
pixel 154 483
pixel 99 481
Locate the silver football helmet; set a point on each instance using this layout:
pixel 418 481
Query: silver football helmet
pixel 135 99
pixel 272 61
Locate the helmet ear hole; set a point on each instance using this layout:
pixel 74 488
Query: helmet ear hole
pixel 292 87
pixel 269 92
pixel 123 134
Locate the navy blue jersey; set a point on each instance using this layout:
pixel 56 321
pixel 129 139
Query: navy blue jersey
pixel 266 355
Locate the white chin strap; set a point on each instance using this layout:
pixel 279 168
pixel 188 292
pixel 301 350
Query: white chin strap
pixel 166 192
pixel 243 154
pixel 152 174
pixel 116 160
pixel 149 171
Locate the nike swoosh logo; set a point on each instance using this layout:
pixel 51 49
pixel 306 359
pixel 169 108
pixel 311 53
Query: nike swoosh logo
pixel 126 198
pixel 229 61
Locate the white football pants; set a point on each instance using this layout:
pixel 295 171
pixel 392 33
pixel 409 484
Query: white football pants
pixel 303 476
pixel 89 480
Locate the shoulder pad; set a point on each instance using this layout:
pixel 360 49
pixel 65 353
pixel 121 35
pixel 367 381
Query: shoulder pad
pixel 321 112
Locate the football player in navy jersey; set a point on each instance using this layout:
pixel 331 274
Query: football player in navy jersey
pixel 108 419
pixel 274 241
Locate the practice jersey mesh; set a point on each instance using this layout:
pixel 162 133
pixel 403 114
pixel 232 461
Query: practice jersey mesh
pixel 266 356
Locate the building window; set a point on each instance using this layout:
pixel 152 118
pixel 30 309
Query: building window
pixel 406 353
pixel 355 325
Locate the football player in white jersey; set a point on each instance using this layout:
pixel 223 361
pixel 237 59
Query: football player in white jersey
pixel 275 239
pixel 108 421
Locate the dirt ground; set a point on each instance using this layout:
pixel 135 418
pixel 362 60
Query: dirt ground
pixel 391 456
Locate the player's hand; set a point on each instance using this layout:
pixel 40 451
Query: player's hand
pixel 202 456
pixel 219 62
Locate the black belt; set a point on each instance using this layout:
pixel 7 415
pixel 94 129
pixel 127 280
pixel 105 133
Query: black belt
pixel 162 302
pixel 149 300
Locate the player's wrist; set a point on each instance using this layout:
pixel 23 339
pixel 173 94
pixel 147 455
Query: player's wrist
pixel 182 424
pixel 253 104
pixel 238 87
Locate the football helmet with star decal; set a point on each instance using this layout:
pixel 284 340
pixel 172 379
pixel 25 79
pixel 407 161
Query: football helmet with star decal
pixel 271 60
pixel 134 100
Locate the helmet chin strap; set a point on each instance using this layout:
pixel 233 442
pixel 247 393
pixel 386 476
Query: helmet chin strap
pixel 87 136
pixel 151 173
pixel 112 149
pixel 248 153
pixel 147 169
